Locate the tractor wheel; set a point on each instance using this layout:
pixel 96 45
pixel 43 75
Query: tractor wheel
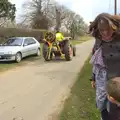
pixel 74 51
pixel 45 51
pixel 68 51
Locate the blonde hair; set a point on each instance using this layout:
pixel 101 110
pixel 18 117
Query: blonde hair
pixel 113 88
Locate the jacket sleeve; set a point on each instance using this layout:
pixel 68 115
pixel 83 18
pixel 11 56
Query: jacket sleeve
pixel 62 37
pixel 93 77
pixel 97 44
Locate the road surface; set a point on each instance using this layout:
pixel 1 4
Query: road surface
pixel 35 91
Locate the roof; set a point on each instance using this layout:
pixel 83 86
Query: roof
pixel 22 37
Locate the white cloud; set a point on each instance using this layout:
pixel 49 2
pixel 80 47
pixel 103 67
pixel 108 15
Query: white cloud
pixel 88 9
pixel 84 8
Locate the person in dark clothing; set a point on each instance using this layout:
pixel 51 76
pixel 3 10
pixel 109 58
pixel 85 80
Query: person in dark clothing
pixel 105 29
pixel 113 90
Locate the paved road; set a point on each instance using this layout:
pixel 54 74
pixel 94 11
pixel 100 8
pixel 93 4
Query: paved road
pixel 35 91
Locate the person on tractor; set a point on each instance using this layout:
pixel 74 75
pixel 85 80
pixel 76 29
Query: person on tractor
pixel 59 36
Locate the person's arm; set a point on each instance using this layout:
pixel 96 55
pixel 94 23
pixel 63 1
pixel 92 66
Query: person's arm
pixel 93 77
pixel 62 37
pixel 93 82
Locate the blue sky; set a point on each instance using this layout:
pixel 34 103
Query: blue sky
pixel 88 9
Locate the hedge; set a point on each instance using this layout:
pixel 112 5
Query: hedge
pixel 18 32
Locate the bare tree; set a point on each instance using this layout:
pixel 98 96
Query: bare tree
pixel 61 15
pixel 74 24
pixel 44 14
pixel 34 14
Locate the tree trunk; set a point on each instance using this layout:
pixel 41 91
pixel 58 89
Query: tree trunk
pixel 58 24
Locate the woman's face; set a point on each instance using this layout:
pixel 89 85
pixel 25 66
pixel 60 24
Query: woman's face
pixel 105 29
pixel 104 32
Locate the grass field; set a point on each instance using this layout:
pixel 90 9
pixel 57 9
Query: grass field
pixel 81 103
pixel 82 39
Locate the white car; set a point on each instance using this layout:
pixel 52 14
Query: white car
pixel 17 48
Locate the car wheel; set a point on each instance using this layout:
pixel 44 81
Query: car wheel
pixel 38 52
pixel 18 57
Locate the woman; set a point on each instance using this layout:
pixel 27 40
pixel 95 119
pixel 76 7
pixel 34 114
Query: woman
pixel 105 28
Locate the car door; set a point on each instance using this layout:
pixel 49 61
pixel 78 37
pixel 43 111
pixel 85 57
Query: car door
pixel 26 48
pixel 29 47
pixel 33 46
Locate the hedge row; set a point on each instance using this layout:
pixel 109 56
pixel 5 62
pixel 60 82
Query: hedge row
pixel 18 32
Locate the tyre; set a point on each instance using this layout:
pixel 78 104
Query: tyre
pixel 45 51
pixel 74 51
pixel 51 56
pixel 68 51
pixel 38 52
pixel 18 57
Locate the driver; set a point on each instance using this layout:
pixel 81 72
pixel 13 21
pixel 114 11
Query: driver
pixel 59 36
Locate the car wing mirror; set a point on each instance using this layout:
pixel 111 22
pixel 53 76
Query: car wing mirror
pixel 25 44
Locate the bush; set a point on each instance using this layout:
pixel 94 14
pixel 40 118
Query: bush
pixel 17 32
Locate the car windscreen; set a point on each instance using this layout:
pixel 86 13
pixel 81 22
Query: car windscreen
pixel 13 42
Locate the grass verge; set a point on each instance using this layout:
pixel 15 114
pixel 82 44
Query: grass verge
pixel 82 39
pixel 81 103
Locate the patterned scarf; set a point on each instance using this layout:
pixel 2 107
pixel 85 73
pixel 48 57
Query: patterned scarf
pixel 97 58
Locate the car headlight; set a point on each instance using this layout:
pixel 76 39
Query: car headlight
pixel 10 52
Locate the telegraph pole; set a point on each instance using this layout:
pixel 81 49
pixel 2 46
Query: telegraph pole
pixel 115 7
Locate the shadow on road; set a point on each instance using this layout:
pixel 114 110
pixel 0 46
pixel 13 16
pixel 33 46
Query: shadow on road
pixel 33 60
pixel 55 60
pixel 26 59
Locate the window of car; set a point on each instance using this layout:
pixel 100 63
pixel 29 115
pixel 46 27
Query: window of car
pixel 13 42
pixel 29 41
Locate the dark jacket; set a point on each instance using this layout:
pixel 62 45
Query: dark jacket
pixel 114 113
pixel 111 56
